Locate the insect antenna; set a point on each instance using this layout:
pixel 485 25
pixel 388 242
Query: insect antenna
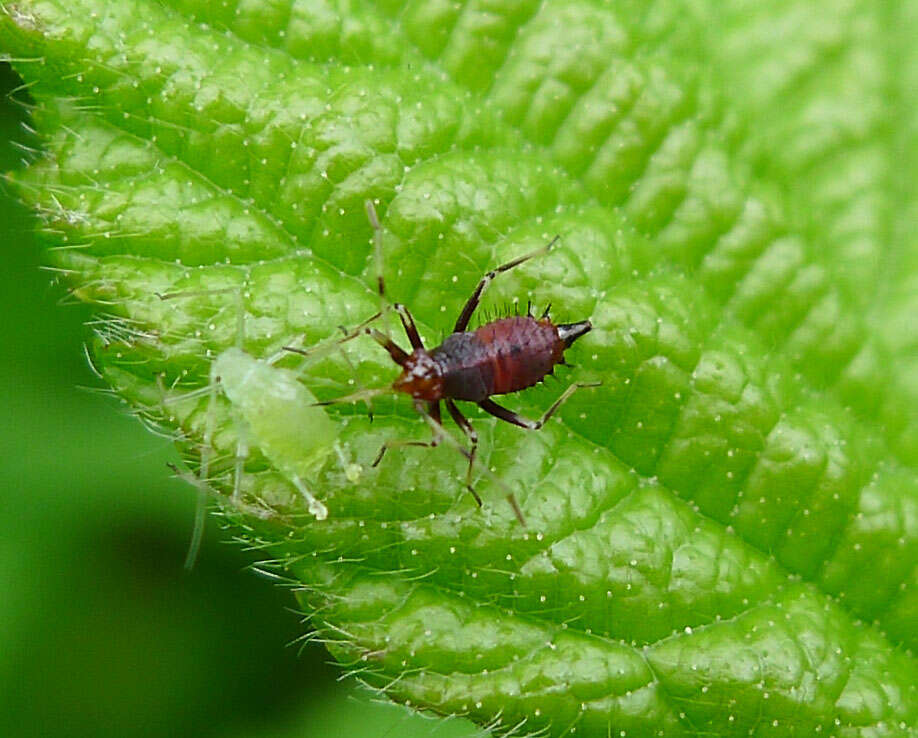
pixel 385 305
pixel 360 386
pixel 360 396
pixel 398 355
pixel 323 349
pixel 378 249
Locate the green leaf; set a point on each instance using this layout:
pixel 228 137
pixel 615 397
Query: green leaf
pixel 722 538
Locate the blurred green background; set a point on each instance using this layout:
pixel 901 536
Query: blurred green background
pixel 102 633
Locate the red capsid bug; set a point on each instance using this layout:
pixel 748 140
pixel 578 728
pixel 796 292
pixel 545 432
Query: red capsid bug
pixel 500 357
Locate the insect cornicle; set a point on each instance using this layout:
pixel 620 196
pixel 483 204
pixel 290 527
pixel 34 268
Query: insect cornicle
pixel 502 356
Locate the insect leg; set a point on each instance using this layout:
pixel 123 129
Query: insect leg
pixel 318 351
pixel 322 349
pixel 470 433
pixel 399 356
pixel 433 412
pixel 377 248
pixel 314 353
pixel 384 305
pixel 242 454
pixel 207 453
pixel 433 422
pixel 356 380
pixel 395 351
pixel 200 510
pixel 469 309
pixel 489 406
pixel 202 482
pixel 359 396
pixel 408 323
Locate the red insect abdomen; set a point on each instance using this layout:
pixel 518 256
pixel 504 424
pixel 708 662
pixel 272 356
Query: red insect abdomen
pixel 507 355
pixel 520 351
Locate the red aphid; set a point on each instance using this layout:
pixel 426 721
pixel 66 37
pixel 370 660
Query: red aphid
pixel 502 356
pixel 506 355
